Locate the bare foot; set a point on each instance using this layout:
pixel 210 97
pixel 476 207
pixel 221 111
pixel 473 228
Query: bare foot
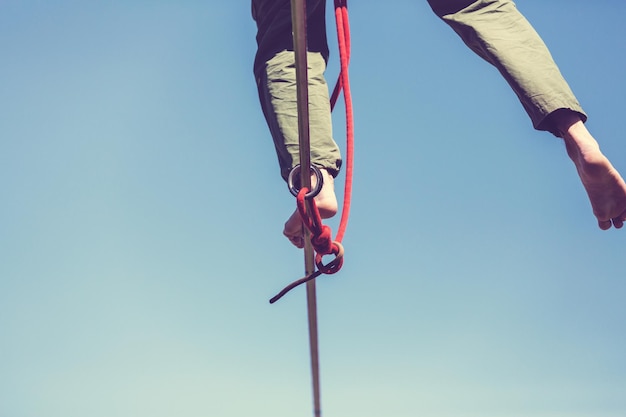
pixel 326 203
pixel 604 185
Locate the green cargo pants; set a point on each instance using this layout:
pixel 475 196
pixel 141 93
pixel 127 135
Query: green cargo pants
pixel 493 29
pixel 277 93
pixel 497 32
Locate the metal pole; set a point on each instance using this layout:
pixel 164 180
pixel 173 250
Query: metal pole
pixel 298 18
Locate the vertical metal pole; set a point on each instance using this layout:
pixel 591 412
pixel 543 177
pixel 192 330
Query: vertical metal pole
pixel 298 18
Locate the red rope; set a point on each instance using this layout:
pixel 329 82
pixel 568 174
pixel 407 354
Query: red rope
pixel 343 36
pixel 321 235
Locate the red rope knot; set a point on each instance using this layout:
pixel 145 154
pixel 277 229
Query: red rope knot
pixel 323 242
pixel 321 235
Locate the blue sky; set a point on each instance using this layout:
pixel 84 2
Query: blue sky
pixel 142 213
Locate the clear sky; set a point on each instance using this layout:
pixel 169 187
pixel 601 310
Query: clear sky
pixel 142 212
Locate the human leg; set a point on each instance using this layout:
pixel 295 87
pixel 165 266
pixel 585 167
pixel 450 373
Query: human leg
pixel 276 81
pixel 497 32
pixel 279 102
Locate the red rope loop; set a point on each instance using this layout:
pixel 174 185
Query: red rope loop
pixel 333 266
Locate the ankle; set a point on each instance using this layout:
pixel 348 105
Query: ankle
pixel 580 144
pixel 566 122
pixel 327 206
pixel 326 200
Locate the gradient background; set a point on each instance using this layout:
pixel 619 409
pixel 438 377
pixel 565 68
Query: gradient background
pixel 142 212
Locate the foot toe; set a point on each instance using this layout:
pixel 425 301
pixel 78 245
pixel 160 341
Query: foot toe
pixel 296 240
pixel 604 224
